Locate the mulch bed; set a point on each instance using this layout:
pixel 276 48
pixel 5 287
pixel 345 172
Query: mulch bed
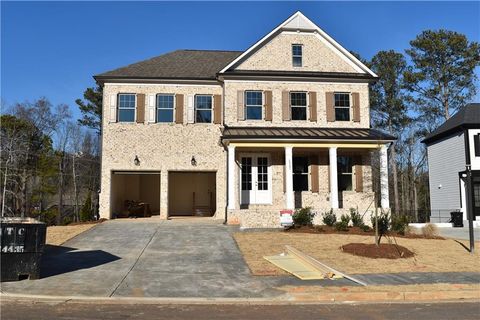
pixel 355 230
pixel 384 250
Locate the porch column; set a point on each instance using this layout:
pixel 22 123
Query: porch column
pixel 332 152
pixel 231 177
pixel 384 200
pixel 289 200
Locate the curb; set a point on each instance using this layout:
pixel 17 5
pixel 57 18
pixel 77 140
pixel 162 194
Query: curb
pixel 287 299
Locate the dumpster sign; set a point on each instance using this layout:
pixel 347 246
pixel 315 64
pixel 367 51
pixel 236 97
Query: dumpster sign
pixel 13 238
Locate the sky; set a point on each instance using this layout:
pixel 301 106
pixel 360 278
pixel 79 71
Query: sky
pixel 53 49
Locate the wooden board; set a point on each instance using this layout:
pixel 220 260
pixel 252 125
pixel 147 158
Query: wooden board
pixel 295 266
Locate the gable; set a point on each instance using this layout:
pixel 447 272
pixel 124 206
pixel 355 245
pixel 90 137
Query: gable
pixel 321 53
pixel 276 55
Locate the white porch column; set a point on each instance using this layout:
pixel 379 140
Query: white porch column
pixel 332 152
pixel 231 177
pixel 384 198
pixel 289 201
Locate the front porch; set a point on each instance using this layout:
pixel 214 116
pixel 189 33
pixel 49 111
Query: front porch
pixel 267 176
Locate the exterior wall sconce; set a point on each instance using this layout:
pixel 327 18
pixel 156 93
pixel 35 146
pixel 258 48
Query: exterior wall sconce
pixel 136 161
pixel 193 161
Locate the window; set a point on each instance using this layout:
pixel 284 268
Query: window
pixel 203 109
pixel 344 166
pixel 297 55
pixel 126 108
pixel 262 173
pixel 253 105
pixel 165 107
pixel 246 173
pixel 342 106
pixel 298 103
pixel 300 174
pixel 476 144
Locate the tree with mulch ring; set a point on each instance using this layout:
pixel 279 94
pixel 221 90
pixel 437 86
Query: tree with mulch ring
pixel 383 250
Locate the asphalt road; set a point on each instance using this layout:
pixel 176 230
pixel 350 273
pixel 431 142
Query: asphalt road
pixel 76 311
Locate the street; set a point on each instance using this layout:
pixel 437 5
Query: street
pixel 11 310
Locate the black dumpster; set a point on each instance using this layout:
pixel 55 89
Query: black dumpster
pixel 457 219
pixel 22 243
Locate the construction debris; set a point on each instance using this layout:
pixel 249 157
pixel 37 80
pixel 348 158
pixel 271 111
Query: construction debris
pixel 306 267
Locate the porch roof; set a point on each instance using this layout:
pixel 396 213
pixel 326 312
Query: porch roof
pixel 305 133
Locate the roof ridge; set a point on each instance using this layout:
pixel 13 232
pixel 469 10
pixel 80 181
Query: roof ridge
pixel 210 50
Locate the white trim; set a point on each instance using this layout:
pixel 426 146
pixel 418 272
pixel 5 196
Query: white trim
pixel 231 178
pixel 151 108
pixel 292 82
pixel 289 197
pixel 333 172
pixel 298 14
pixel 163 84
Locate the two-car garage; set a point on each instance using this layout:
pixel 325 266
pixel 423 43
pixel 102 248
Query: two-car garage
pixel 139 194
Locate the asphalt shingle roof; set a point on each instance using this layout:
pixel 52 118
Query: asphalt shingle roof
pixel 179 64
pixel 468 116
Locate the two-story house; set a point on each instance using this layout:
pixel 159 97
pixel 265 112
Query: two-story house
pixel 451 148
pixel 242 135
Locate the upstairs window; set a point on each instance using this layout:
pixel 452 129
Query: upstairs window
pixel 165 107
pixel 476 144
pixel 253 105
pixel 300 174
pixel 342 106
pixel 345 175
pixel 297 50
pixel 126 108
pixel 203 109
pixel 298 105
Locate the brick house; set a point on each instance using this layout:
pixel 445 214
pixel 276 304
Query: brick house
pixel 241 135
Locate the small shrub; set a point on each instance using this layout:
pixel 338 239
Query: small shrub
pixel 399 224
pixel 345 218
pixel 365 228
pixel 329 218
pixel 86 213
pixel 430 230
pixel 356 218
pixel 341 226
pixel 303 217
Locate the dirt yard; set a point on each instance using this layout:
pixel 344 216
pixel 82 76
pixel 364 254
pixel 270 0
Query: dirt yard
pixel 430 255
pixel 59 235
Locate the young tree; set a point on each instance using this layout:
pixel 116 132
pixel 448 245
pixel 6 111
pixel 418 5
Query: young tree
pixel 387 101
pixel 91 108
pixel 443 74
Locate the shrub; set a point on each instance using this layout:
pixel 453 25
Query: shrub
pixel 430 230
pixel 365 228
pixel 356 218
pixel 86 214
pixel 303 217
pixel 345 218
pixel 383 224
pixel 399 224
pixel 329 218
pixel 341 226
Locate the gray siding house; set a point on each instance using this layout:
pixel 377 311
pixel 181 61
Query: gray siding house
pixel 450 148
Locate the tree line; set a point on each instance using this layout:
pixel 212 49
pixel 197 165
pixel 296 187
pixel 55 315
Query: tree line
pixel 50 163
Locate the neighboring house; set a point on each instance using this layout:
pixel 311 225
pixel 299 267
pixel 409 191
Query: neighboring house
pixel 450 148
pixel 242 135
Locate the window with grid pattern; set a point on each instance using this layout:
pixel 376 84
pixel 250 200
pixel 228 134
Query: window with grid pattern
pixel 203 109
pixel 165 107
pixel 262 173
pixel 300 174
pixel 253 105
pixel 298 104
pixel 126 107
pixel 345 174
pixel 246 173
pixel 342 106
pixel 297 52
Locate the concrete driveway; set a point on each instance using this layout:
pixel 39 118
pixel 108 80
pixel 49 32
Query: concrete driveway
pixel 153 258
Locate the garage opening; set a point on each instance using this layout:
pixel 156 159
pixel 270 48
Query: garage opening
pixel 191 194
pixel 135 194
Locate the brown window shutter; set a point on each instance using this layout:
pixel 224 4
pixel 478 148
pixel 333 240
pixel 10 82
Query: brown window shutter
pixel 314 173
pixel 356 106
pixel 140 108
pixel 240 105
pixel 286 112
pixel 312 100
pixel 330 106
pixel 217 109
pixel 358 174
pixel 179 100
pixel 268 106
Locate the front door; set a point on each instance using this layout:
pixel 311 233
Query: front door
pixel 255 181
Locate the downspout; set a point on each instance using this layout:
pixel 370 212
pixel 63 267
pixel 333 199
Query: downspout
pixel 225 220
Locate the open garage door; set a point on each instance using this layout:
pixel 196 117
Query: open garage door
pixel 135 194
pixel 191 194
